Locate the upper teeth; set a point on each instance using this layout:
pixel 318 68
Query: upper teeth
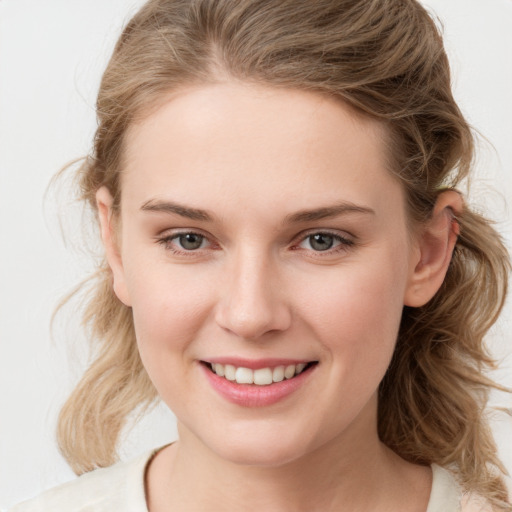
pixel 260 377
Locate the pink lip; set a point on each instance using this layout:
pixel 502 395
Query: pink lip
pixel 249 395
pixel 255 364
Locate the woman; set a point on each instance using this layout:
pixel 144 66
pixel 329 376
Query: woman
pixel 289 266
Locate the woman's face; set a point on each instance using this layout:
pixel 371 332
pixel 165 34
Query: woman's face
pixel 261 230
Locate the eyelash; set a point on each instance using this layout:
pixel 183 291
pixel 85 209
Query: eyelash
pixel 344 243
pixel 167 243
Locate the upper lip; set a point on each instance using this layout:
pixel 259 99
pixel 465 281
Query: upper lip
pixel 256 364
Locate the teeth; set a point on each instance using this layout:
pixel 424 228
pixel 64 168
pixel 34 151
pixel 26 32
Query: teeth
pixel 244 376
pixel 219 369
pixel 300 367
pixel 263 376
pixel 278 374
pixel 289 371
pixel 229 371
pixel 260 377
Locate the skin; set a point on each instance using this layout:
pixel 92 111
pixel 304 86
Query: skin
pixel 253 157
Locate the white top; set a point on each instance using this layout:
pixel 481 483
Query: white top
pixel 121 488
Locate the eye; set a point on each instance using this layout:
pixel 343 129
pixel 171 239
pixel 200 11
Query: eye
pixel 322 242
pixel 190 241
pixel 184 242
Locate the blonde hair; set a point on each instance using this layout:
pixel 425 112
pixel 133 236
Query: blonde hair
pixel 387 60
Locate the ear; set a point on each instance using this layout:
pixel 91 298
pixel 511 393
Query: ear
pixel 110 237
pixel 435 241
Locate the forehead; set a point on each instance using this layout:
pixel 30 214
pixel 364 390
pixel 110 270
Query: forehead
pixel 245 141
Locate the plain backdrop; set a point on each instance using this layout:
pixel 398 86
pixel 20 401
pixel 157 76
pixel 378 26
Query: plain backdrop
pixel 52 54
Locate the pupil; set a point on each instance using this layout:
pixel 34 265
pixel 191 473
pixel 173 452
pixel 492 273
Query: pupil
pixel 321 242
pixel 191 241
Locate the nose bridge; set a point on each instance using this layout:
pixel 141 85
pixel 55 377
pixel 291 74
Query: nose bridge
pixel 251 303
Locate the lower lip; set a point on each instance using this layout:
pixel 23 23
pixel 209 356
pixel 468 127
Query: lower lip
pixel 251 395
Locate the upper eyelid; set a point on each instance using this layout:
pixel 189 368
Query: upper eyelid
pixel 169 234
pixel 303 234
pixel 344 235
pixel 181 231
pixel 173 233
pixel 166 239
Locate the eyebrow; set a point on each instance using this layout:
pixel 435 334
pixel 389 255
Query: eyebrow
pixel 327 212
pixel 178 209
pixel 311 215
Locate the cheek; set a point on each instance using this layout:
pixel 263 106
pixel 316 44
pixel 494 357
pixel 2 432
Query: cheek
pixel 357 311
pixel 170 306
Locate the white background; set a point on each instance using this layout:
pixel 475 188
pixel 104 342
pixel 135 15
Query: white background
pixel 52 54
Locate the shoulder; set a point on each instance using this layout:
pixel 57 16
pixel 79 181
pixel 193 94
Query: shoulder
pixel 472 503
pixel 475 503
pixel 447 495
pixel 118 487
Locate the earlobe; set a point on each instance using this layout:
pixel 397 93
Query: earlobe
pixel 104 202
pixel 436 242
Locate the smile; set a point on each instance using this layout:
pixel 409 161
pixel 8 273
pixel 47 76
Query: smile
pixel 260 376
pixel 266 383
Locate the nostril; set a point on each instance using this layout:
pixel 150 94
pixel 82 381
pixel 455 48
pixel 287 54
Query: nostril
pixel 253 324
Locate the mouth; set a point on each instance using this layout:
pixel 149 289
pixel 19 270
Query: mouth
pixel 261 376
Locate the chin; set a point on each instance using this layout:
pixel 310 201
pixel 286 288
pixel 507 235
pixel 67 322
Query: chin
pixel 246 456
pixel 262 449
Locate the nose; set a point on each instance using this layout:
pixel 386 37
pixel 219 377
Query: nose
pixel 252 301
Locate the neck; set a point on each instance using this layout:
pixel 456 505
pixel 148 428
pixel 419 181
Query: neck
pixel 352 472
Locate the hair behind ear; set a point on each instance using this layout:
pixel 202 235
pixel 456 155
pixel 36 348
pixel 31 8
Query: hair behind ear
pixel 433 397
pixel 114 385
